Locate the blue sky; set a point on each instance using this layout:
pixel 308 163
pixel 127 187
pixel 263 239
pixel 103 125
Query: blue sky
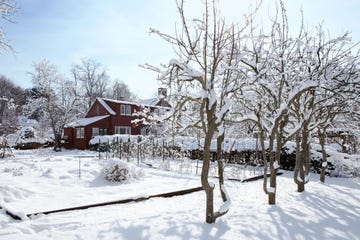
pixel 115 33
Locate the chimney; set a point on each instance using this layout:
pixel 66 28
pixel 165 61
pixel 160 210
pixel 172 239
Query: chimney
pixel 162 92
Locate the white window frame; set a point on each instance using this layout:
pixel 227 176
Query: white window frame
pixel 95 131
pixel 103 131
pixel 122 130
pixel 80 132
pixel 159 111
pixel 125 109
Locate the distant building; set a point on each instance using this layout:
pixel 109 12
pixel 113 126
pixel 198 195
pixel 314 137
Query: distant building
pixel 108 117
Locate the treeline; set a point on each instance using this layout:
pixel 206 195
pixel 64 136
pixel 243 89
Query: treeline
pixel 56 98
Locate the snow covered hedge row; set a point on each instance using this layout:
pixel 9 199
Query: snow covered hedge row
pixel 241 151
pixel 181 142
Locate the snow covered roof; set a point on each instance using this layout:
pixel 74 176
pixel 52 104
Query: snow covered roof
pixel 119 101
pixel 146 102
pixel 149 102
pixel 85 121
pixel 106 106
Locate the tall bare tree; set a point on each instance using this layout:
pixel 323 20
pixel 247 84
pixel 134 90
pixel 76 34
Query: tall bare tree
pixel 8 123
pixel 203 77
pixel 10 91
pixel 93 78
pixel 120 91
pixel 55 99
pixel 268 63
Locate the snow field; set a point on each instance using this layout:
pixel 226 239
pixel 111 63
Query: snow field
pixel 50 181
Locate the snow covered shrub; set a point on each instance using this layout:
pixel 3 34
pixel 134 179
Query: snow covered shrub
pixel 347 167
pixel 14 171
pixel 26 138
pixel 27 132
pixel 120 171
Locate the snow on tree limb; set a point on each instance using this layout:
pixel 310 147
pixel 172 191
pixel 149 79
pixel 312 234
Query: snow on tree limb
pixel 7 9
pixel 224 208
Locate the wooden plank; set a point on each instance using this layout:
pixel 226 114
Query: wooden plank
pixel 258 177
pixel 139 199
pixel 123 201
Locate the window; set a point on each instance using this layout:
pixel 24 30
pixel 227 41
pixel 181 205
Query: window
pixel 95 132
pixel 125 109
pixel 122 130
pixel 103 131
pixel 80 133
pixel 99 131
pixel 159 111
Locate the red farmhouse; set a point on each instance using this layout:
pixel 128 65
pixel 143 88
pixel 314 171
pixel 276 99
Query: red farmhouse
pixel 107 117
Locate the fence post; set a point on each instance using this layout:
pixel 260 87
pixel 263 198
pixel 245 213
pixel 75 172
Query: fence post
pixel 138 153
pixel 99 148
pixel 128 149
pixel 120 148
pixel 163 150
pixel 79 168
pixel 117 143
pixel 107 148
pixel 113 147
pixel 138 149
pixel 153 148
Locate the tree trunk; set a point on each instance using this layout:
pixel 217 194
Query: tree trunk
pixel 301 183
pixel 272 193
pixel 57 143
pixel 209 189
pixel 267 165
pixel 274 169
pixel 303 160
pixel 298 172
pixel 219 142
pixel 321 136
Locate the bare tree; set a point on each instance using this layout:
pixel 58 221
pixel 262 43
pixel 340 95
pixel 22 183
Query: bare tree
pixel 120 91
pixel 339 88
pixel 93 78
pixel 203 78
pixel 55 98
pixel 8 123
pixel 9 91
pixel 269 64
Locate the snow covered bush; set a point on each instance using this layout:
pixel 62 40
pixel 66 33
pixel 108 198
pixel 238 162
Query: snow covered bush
pixel 345 171
pixel 116 170
pixel 27 138
pixel 27 132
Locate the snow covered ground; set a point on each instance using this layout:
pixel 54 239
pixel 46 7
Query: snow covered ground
pixel 36 181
